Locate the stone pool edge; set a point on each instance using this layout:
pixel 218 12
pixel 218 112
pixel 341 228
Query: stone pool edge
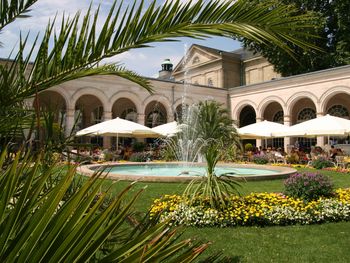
pixel 88 170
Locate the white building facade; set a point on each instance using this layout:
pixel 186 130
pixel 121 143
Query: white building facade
pixel 244 83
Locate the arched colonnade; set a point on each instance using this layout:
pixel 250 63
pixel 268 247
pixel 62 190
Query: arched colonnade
pixel 299 107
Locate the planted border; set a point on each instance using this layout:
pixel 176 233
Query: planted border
pixel 257 209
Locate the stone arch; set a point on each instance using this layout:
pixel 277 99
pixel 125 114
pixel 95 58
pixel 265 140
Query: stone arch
pixel 161 99
pixel 331 93
pixel 180 106
pixel 238 108
pixel 301 106
pixel 247 116
pixel 187 100
pixel 93 92
pixel 300 95
pixel 124 108
pixel 63 93
pixel 129 95
pixel 53 101
pixel 266 102
pixel 49 98
pixel 155 114
pixel 89 110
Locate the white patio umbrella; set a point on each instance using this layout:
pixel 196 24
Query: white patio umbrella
pixel 120 128
pixel 261 130
pixel 167 129
pixel 322 126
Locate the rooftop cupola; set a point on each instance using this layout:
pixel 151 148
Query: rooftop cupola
pixel 167 69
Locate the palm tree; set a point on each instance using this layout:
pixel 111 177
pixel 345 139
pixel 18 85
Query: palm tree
pixel 215 124
pixel 78 47
pixel 217 132
pixel 36 226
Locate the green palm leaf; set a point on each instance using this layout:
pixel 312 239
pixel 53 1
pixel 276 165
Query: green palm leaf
pixel 12 9
pixel 78 47
pixel 39 224
pixel 77 50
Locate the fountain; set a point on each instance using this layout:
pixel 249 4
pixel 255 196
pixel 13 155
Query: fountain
pixel 186 147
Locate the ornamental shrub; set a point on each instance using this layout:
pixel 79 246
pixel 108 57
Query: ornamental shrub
pixel 138 146
pixel 260 159
pixel 140 157
pixel 321 163
pixel 248 147
pixel 308 186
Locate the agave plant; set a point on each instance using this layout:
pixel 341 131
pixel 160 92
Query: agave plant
pixel 212 187
pixel 41 224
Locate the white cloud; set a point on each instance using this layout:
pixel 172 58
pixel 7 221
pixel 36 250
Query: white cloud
pixel 145 61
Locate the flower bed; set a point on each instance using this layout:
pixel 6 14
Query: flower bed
pixel 257 209
pixel 337 169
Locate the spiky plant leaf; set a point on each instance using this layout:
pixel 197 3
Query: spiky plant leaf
pixel 39 224
pixel 78 47
pixel 12 9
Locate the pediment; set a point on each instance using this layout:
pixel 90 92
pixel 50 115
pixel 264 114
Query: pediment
pixel 197 56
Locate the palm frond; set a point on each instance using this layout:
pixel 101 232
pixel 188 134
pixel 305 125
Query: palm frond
pixel 40 224
pixel 78 49
pixel 12 9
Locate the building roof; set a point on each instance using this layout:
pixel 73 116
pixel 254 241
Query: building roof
pixel 245 53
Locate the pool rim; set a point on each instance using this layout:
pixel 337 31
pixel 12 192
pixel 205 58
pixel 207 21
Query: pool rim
pixel 89 170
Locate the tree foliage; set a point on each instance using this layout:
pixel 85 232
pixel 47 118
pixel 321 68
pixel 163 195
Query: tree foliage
pixel 215 123
pixel 333 32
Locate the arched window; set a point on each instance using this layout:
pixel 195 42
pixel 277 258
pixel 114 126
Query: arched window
pixel 195 60
pixel 306 114
pixel 338 111
pixel 210 82
pixel 96 115
pixel 278 117
pixel 155 118
pixel 181 111
pixel 129 114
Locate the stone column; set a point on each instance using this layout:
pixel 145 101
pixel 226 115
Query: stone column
pixel 320 139
pixel 287 141
pixel 70 120
pixel 221 78
pixel 107 115
pixel 170 118
pixel 259 141
pixel 141 118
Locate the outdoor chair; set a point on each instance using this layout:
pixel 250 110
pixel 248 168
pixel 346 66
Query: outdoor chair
pixel 280 159
pixel 270 157
pixel 340 161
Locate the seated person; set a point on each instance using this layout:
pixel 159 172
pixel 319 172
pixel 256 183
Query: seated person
pixel 293 157
pixel 333 153
pixel 339 152
pixel 97 154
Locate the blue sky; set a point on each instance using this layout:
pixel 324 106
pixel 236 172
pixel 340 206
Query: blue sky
pixel 144 61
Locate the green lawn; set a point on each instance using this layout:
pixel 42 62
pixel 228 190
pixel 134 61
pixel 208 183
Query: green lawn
pixel 315 243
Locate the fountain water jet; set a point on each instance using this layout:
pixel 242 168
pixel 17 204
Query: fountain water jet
pixel 186 145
